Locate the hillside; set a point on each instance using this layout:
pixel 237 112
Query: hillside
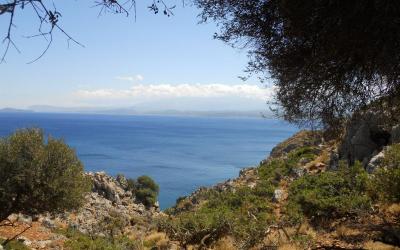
pixel 304 195
pixel 298 198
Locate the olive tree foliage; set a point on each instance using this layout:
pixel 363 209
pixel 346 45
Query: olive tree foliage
pixel 327 58
pixel 39 174
pixel 49 17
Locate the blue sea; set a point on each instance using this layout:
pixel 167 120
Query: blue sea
pixel 180 153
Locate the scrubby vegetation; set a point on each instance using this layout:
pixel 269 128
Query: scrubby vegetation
pixel 387 178
pixel 14 245
pixel 79 241
pixel 145 189
pixel 39 175
pixel 242 213
pixel 329 195
pixel 318 201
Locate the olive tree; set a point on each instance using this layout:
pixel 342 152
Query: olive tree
pixel 39 174
pixel 327 58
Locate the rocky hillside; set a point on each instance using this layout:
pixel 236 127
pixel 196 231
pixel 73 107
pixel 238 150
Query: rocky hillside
pixel 309 193
pixel 109 210
pixel 297 198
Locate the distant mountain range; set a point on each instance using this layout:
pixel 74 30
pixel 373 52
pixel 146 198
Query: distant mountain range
pixel 12 110
pixel 133 111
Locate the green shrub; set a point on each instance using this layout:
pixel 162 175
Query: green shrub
pixel 145 189
pixel 39 175
pixel 329 194
pixel 240 213
pixel 274 170
pixel 14 245
pixel 386 180
pixel 147 196
pixel 79 241
pixel 132 184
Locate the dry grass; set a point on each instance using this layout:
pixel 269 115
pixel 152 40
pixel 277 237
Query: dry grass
pixel 156 239
pixel 226 243
pixel 371 245
pixel 289 247
pixel 306 229
pixel 343 232
pixel 394 209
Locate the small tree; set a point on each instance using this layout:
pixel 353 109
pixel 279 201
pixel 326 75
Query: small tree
pixel 145 189
pixel 38 175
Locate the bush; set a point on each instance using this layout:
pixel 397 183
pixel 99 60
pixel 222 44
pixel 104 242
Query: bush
pixel 14 245
pixel 274 170
pixel 145 189
pixel 329 195
pixel 240 213
pixel 386 180
pixel 79 241
pixel 39 175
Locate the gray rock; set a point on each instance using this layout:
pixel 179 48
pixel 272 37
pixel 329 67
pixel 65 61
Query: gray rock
pixel 13 217
pixel 365 134
pixel 121 179
pixel 43 243
pixel 24 240
pixel 278 195
pixel 48 223
pixel 24 219
pixel 375 162
pixel 298 172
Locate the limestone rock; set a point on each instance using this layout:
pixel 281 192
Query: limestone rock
pixel 24 219
pixel 108 201
pixel 278 195
pixel 365 134
pixel 298 172
pixel 121 179
pixel 24 241
pixel 375 162
pixel 47 222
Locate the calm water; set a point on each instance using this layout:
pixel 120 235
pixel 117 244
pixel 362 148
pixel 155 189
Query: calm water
pixel 180 153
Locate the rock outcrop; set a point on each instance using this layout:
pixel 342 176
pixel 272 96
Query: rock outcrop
pixel 109 209
pixel 366 135
pixel 109 200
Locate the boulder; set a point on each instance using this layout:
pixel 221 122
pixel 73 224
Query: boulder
pixel 375 162
pixel 123 182
pixel 365 134
pixel 278 195
pixel 106 186
pixel 46 222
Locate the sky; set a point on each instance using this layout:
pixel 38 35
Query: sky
pixel 155 62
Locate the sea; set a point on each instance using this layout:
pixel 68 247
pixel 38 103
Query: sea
pixel 180 153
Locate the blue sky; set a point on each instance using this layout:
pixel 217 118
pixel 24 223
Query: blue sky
pixel 152 62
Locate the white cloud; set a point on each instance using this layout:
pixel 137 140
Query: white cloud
pixel 135 78
pixel 163 91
